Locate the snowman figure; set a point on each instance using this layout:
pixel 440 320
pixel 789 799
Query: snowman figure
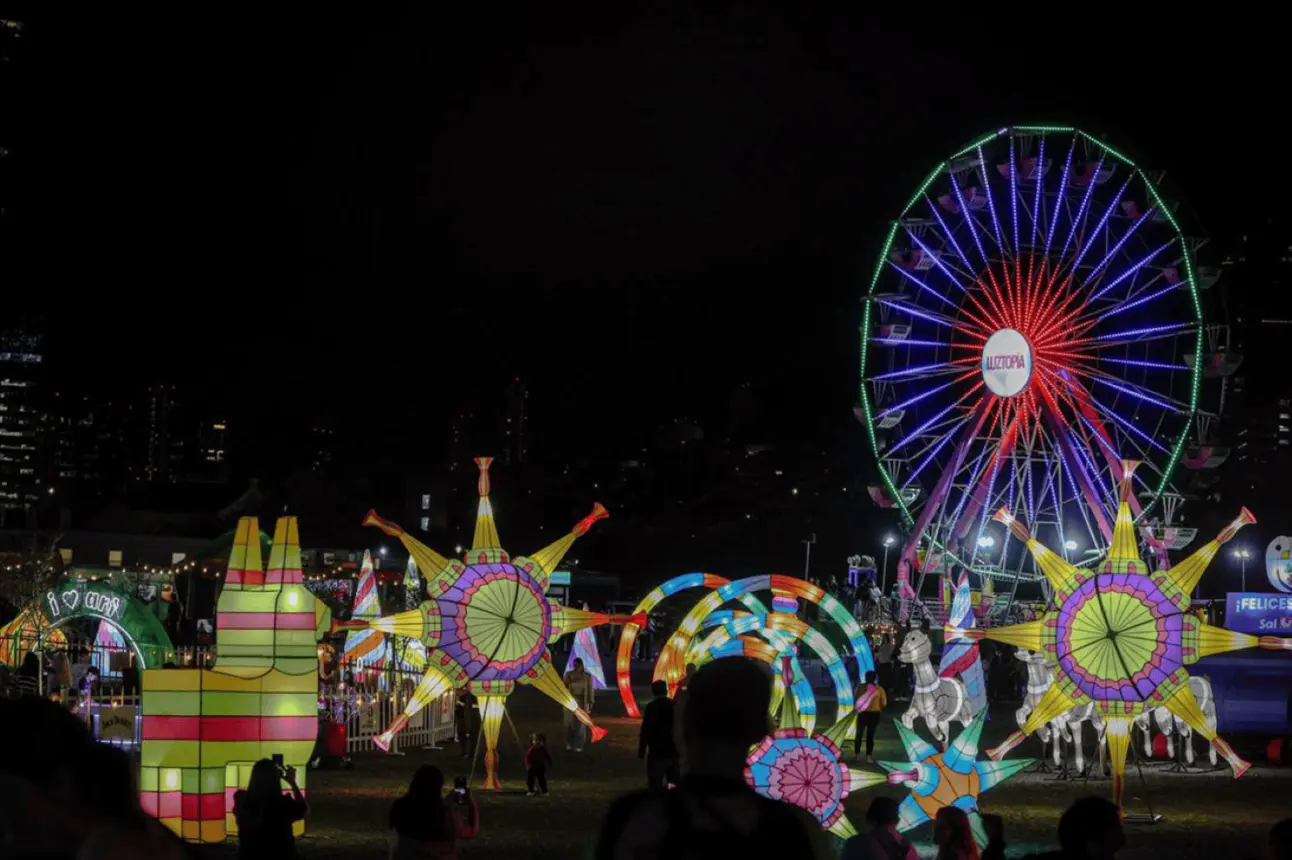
pixel 1278 563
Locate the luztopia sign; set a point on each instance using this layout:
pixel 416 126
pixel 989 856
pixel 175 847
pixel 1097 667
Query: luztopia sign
pixel 83 599
pixel 1006 363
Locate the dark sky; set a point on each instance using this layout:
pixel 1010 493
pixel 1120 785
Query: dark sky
pixel 631 210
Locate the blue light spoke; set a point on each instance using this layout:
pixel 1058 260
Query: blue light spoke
pixel 920 370
pixel 1140 301
pixel 1117 247
pixel 946 231
pixel 919 430
pixel 1133 390
pixel 905 308
pixel 898 341
pixel 1099 228
pixel 936 258
pixel 1136 333
pixel 1013 192
pixel 991 203
pixel 1081 212
pixel 921 284
pixel 1151 365
pixel 1031 508
pixel 1122 422
pixel 1039 178
pixel 915 473
pixel 973 479
pixel 968 218
pixel 916 399
pixel 1131 271
pixel 1063 184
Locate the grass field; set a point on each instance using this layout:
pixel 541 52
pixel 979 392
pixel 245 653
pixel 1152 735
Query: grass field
pixel 1205 815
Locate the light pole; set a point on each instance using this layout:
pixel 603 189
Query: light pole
pixel 889 540
pixel 1242 554
pixel 807 558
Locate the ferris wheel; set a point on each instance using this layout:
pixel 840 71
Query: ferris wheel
pixel 1036 316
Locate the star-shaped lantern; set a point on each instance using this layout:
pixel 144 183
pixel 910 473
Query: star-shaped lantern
pixel 1121 636
pixel 952 778
pixel 487 623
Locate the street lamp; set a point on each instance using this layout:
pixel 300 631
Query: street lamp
pixel 889 540
pixel 1242 554
pixel 986 541
pixel 1069 545
pixel 807 559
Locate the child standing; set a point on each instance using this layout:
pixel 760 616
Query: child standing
pixel 537 759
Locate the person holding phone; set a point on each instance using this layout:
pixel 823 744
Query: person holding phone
pixel 265 815
pixel 424 826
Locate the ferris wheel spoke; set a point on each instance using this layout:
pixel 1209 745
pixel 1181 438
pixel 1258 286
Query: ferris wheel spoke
pixel 1038 178
pixel 1013 196
pixel 926 371
pixel 1127 425
pixel 927 425
pixel 936 446
pixel 1079 219
pixel 1063 183
pixel 970 222
pixel 923 286
pixel 911 401
pixel 1122 308
pixel 950 238
pixel 991 203
pixel 1132 270
pixel 1099 228
pixel 1138 335
pixel 1116 249
pixel 905 307
pixel 936 257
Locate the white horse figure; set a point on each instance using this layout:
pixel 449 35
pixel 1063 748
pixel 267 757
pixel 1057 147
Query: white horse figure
pixel 1066 726
pixel 1169 725
pixel 936 700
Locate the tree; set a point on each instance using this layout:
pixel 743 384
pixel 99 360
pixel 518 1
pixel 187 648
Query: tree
pixel 25 582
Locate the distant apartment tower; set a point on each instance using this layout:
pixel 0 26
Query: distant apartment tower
pixel 165 443
pixel 20 364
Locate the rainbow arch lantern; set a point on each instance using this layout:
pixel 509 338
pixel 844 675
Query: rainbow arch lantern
pixel 203 729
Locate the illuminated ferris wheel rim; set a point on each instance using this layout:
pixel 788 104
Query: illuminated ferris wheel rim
pixel 1019 368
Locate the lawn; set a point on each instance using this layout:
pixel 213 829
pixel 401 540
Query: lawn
pixel 1205 815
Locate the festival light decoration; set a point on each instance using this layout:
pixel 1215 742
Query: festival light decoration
pixel 798 767
pixel 1122 636
pixel 672 660
pixel 628 636
pixel 960 658
pixel 21 634
pixel 585 649
pixel 366 648
pixel 488 620
pixel 783 630
pixel 952 778
pixel 204 729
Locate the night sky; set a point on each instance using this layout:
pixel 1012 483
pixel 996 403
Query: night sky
pixel 634 212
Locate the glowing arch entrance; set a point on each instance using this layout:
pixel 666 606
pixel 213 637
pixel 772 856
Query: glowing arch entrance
pixel 147 638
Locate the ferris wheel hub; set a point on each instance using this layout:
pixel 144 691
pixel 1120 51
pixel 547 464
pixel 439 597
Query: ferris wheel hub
pixel 1007 363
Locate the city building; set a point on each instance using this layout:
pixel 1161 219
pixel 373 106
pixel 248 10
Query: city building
pixel 1257 419
pixel 20 466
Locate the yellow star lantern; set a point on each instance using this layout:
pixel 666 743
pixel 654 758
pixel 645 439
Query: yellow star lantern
pixel 487 623
pixel 1121 636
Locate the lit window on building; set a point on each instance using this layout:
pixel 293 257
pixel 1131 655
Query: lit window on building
pixel 426 524
pixel 426 501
